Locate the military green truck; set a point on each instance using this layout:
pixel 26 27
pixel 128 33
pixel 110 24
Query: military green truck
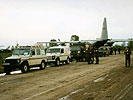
pixel 104 51
pixel 78 51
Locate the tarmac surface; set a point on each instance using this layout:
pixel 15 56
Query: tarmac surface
pixel 109 80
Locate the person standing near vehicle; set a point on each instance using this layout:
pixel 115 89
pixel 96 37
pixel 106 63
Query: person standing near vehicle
pixel 88 56
pixel 111 51
pixel 92 54
pixel 127 56
pixel 115 50
pixel 96 53
pixel 119 50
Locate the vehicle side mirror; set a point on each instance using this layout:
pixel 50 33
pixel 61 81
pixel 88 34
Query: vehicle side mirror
pixel 62 50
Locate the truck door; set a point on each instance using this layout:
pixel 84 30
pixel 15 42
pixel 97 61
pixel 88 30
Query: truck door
pixel 62 55
pixel 32 60
pixel 38 56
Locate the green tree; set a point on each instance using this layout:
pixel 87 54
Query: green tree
pixel 17 45
pixel 8 48
pixel 74 38
pixel 12 48
pixel 53 42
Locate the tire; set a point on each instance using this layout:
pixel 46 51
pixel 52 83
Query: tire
pixel 24 68
pixel 7 70
pixel 67 61
pixel 42 65
pixel 71 59
pixel 77 60
pixel 57 62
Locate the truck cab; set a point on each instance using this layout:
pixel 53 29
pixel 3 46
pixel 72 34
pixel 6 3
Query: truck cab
pixel 104 51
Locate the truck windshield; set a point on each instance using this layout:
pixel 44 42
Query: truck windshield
pixel 53 50
pixel 21 52
pixel 75 48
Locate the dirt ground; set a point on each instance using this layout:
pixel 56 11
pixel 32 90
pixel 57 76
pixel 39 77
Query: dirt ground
pixel 109 80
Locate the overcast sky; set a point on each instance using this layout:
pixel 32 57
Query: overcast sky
pixel 30 21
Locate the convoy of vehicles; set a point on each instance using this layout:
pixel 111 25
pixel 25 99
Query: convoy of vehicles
pixel 25 57
pixel 58 54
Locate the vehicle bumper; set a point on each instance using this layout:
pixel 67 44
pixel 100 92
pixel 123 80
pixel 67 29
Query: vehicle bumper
pixel 12 66
pixel 51 61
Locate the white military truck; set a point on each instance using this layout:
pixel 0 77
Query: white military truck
pixel 25 57
pixel 58 54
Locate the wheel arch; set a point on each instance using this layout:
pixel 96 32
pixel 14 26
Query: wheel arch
pixel 25 62
pixel 58 58
pixel 44 60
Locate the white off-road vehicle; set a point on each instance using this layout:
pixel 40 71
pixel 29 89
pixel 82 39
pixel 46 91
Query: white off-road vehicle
pixel 25 57
pixel 58 54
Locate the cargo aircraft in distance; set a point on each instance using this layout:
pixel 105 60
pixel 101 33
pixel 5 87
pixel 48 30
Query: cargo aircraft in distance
pixel 102 41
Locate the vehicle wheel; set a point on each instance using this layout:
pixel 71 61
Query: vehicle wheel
pixel 24 68
pixel 57 62
pixel 71 59
pixel 104 54
pixel 7 70
pixel 43 65
pixel 67 61
pixel 77 60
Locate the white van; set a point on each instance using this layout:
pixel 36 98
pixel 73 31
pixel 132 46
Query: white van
pixel 58 54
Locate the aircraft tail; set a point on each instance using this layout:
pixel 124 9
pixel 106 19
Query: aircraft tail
pixel 104 34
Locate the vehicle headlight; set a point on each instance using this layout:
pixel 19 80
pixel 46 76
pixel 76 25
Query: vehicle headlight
pixel 4 61
pixel 18 60
pixel 78 51
pixel 53 57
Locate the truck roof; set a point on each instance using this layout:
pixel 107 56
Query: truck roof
pixel 59 47
pixel 24 47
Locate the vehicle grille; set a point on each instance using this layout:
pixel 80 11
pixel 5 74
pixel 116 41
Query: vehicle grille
pixel 12 61
pixel 49 57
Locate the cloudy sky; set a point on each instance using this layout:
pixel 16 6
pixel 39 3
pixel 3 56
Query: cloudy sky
pixel 30 21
